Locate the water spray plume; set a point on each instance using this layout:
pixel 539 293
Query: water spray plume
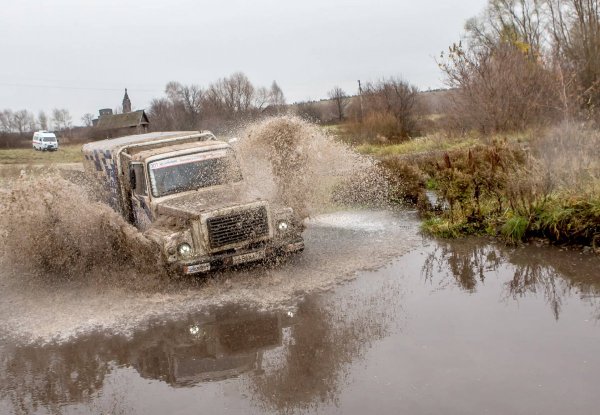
pixel 51 225
pixel 294 162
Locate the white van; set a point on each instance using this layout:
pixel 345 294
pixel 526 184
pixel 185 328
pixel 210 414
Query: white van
pixel 43 140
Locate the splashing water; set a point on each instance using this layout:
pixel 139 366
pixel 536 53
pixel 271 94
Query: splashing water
pixel 69 264
pixel 54 226
pixel 288 160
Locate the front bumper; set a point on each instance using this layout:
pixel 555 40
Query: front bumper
pixel 231 259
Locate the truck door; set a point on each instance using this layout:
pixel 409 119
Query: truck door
pixel 140 202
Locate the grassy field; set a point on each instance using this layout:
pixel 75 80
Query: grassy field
pixel 435 142
pixel 65 154
pixel 418 145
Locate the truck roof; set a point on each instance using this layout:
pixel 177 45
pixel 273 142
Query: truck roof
pixel 200 145
pixel 114 143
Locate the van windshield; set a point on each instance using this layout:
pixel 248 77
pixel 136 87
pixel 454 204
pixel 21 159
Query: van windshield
pixel 49 139
pixel 193 171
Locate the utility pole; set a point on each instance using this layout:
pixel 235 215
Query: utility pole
pixel 360 103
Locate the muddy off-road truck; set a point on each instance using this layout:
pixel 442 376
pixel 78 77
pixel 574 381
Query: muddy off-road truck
pixel 185 192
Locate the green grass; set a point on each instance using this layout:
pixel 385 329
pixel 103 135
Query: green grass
pixel 441 228
pixel 417 145
pixel 65 154
pixel 439 142
pixel 514 228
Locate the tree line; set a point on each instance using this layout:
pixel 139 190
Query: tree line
pixel 232 100
pixel 24 121
pixel 16 127
pixel 520 64
pixel 525 63
pixel 222 104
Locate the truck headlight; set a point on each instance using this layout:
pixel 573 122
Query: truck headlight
pixel 283 226
pixel 184 249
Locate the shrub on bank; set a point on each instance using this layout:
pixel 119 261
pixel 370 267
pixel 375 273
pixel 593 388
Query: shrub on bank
pixel 407 183
pixel 542 187
pixel 375 128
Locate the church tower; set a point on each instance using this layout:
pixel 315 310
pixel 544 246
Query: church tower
pixel 126 103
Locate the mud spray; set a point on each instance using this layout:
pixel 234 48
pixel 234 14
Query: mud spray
pixel 291 161
pixel 70 264
pixel 54 226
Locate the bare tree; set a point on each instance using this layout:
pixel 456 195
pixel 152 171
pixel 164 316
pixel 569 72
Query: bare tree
pixel 575 28
pixel 340 101
pixel 276 97
pixel 6 121
pixel 219 106
pixel 396 97
pixel 239 92
pixel 61 118
pixel 23 121
pixel 558 36
pixel 501 75
pixel 43 120
pixel 233 96
pixel 499 89
pixel 32 124
pixel 520 22
pixel 262 98
pixel 186 104
pixel 162 114
pixel 87 119
pixel 310 111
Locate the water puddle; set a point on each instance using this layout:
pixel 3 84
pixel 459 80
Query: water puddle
pixel 449 327
pixel 119 300
pixel 370 315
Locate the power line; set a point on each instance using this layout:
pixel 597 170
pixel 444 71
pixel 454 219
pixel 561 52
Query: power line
pixel 19 85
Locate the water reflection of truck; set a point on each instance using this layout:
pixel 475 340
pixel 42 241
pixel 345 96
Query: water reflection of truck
pixel 185 191
pixel 204 346
pixel 210 349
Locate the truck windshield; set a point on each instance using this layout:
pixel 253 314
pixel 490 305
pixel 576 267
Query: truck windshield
pixel 193 171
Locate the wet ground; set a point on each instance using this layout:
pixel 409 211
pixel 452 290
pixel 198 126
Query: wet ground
pixel 372 317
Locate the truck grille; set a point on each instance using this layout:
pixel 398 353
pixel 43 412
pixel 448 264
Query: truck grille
pixel 238 227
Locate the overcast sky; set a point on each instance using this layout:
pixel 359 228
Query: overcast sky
pixel 81 54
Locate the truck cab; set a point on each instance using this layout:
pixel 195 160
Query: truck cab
pixel 185 191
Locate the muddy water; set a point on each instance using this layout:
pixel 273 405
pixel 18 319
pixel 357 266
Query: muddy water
pixel 371 317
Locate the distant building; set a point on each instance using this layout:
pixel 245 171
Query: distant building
pixel 106 111
pixel 126 102
pixel 109 125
